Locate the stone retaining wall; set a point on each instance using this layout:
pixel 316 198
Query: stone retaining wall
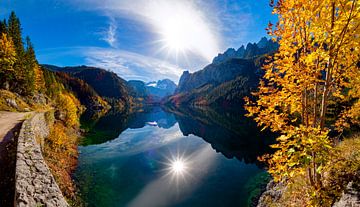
pixel 34 184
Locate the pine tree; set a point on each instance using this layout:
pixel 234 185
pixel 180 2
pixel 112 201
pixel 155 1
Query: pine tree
pixel 3 27
pixel 26 61
pixel 53 87
pixel 14 31
pixel 30 63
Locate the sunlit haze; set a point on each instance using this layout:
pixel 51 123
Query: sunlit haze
pixel 183 28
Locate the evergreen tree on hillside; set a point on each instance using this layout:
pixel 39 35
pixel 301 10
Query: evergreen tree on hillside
pixel 26 60
pixel 53 87
pixel 29 66
pixel 14 31
pixel 3 26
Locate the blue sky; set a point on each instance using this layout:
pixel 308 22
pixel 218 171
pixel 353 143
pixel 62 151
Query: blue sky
pixel 139 39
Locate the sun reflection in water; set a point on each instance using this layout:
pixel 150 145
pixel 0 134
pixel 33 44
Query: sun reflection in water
pixel 177 169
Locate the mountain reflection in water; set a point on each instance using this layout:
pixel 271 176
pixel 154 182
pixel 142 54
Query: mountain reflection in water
pixel 126 158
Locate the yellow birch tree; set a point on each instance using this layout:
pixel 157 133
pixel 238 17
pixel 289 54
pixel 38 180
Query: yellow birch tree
pixel 314 76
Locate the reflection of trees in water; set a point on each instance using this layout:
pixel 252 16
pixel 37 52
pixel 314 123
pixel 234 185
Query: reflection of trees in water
pixel 104 128
pixel 154 114
pixel 100 129
pixel 228 132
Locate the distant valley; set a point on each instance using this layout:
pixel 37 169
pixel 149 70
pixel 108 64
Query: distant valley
pixel 152 92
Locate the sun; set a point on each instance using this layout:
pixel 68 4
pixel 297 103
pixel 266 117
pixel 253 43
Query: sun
pixel 175 35
pixel 183 30
pixel 178 166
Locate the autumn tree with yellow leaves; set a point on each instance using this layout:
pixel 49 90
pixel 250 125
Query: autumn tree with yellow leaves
pixel 68 103
pixel 7 60
pixel 311 85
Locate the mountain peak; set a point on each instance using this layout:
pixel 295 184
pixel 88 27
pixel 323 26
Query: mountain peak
pixel 251 50
pixel 154 91
pixel 263 42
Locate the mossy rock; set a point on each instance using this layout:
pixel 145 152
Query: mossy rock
pixel 20 104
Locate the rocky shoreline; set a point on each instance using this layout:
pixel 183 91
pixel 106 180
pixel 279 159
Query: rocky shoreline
pixel 272 194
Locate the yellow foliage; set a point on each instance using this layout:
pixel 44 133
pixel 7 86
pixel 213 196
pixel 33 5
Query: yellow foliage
pixel 58 136
pixel 7 60
pixel 7 53
pixel 62 139
pixel 60 153
pixel 69 104
pixel 39 79
pixel 317 64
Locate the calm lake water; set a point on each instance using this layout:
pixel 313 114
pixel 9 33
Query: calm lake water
pixel 164 157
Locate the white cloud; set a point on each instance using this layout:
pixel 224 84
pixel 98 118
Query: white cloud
pixel 110 33
pixel 185 19
pixel 128 65
pixel 131 65
pixel 206 27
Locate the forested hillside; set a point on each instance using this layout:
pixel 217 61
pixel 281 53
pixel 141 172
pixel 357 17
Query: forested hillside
pixel 119 93
pixel 26 86
pixel 83 91
pixel 106 84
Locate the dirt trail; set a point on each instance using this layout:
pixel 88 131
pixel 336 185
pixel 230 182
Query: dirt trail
pixel 8 120
pixel 10 123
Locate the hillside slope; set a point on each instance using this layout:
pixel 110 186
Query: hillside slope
pixel 106 84
pixel 223 84
pixel 83 91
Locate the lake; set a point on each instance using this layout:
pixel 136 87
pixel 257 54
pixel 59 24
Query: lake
pixel 157 157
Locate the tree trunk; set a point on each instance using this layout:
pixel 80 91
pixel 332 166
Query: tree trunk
pixel 315 105
pixel 311 179
pixel 306 108
pixel 324 100
pixel 328 74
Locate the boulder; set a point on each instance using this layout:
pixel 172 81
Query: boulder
pixel 12 103
pixel 272 194
pixel 350 197
pixel 60 115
